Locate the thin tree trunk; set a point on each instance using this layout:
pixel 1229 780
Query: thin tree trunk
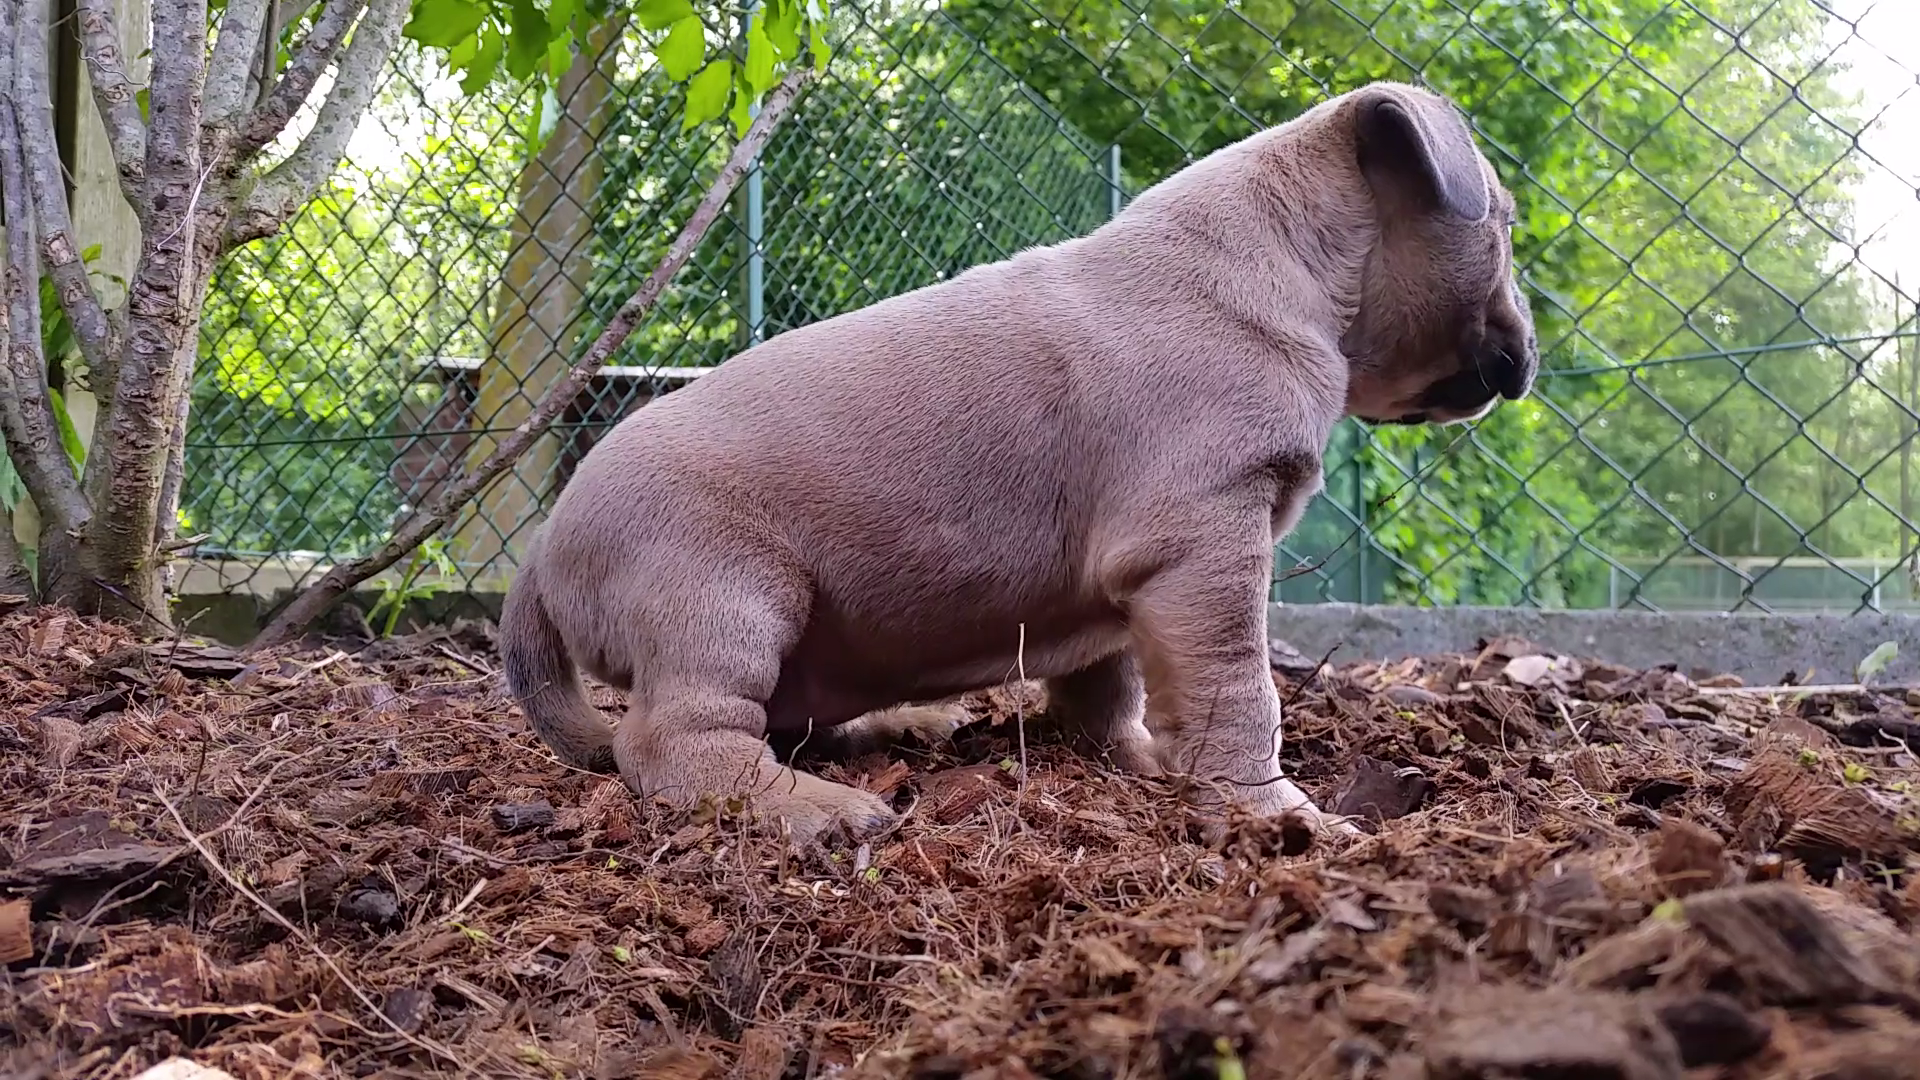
pixel 133 433
pixel 319 598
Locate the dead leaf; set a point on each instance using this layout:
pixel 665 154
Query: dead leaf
pixel 1529 670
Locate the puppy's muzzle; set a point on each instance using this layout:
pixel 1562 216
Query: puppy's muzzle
pixel 1488 374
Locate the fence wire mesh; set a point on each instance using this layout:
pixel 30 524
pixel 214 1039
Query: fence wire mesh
pixel 1716 197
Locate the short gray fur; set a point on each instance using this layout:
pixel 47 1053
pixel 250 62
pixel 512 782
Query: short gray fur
pixel 1760 648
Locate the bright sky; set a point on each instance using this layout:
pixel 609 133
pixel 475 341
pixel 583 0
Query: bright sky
pixel 1882 54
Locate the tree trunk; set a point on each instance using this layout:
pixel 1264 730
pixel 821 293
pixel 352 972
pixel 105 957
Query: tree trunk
pixel 542 298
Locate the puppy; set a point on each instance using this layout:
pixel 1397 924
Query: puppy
pixel 1080 457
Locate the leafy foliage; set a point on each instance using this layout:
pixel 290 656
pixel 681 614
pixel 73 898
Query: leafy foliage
pixel 532 45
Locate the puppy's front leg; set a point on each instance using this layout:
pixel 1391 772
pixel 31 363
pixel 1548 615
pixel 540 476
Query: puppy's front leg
pixel 1198 622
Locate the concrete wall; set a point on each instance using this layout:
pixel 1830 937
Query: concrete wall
pixel 1759 648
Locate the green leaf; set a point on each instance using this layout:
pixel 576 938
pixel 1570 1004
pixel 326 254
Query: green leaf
pixel 527 39
pixel 444 23
pixel 143 98
pixel 685 46
pixel 560 17
pixel 560 55
pixel 707 93
pixel 462 54
pixel 740 113
pixel 817 44
pixel 759 69
pixel 660 14
pixel 12 488
pixel 782 18
pixel 1877 660
pixel 485 63
pixel 544 119
pixel 69 438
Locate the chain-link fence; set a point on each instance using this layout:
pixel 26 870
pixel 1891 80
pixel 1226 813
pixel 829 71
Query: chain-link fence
pixel 1715 205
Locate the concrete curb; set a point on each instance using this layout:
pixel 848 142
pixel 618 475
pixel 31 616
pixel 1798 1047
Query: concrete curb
pixel 1760 648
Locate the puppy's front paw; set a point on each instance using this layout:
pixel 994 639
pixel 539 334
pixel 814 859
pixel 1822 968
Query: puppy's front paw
pixel 819 812
pixel 1283 797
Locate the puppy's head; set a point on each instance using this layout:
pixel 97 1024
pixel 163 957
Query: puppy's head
pixel 1442 333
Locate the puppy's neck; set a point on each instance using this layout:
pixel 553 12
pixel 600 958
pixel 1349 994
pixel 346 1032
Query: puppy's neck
pixel 1310 196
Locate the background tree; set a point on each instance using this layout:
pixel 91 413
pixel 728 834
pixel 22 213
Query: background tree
pixel 210 159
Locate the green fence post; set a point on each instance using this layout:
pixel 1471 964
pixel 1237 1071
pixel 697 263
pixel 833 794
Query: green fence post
pixel 1114 190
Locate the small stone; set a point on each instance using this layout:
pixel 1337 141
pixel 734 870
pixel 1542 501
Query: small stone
pixel 408 1009
pixel 1409 696
pixel 373 904
pixel 1712 1029
pixel 1644 714
pixel 519 817
pixel 1376 791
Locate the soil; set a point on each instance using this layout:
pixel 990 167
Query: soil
pixel 353 860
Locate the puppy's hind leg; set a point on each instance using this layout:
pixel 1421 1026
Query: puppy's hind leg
pixel 696 723
pixel 932 723
pixel 1102 709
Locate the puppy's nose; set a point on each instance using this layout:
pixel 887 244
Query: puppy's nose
pixel 1513 371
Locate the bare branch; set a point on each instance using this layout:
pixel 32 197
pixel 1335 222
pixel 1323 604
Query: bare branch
pixel 314 55
pixel 59 251
pixel 234 53
pixel 115 95
pixel 26 408
pixel 291 184
pixel 422 524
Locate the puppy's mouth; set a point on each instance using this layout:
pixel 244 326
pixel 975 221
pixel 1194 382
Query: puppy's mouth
pixel 1486 377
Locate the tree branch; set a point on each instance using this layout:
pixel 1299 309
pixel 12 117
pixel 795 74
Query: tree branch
pixel 59 251
pixel 114 94
pixel 291 184
pixel 315 53
pixel 234 53
pixel 26 409
pixel 422 524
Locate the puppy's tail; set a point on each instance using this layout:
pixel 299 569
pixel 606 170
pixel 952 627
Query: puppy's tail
pixel 541 677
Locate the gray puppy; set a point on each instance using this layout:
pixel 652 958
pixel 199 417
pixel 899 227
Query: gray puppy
pixel 1089 448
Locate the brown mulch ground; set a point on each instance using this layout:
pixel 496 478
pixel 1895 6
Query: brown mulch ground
pixel 362 865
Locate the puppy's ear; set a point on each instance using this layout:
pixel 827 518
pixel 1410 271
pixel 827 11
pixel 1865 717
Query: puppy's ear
pixel 1420 144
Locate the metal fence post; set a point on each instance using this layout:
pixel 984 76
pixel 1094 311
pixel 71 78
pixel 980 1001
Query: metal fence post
pixel 1114 190
pixel 756 227
pixel 756 255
